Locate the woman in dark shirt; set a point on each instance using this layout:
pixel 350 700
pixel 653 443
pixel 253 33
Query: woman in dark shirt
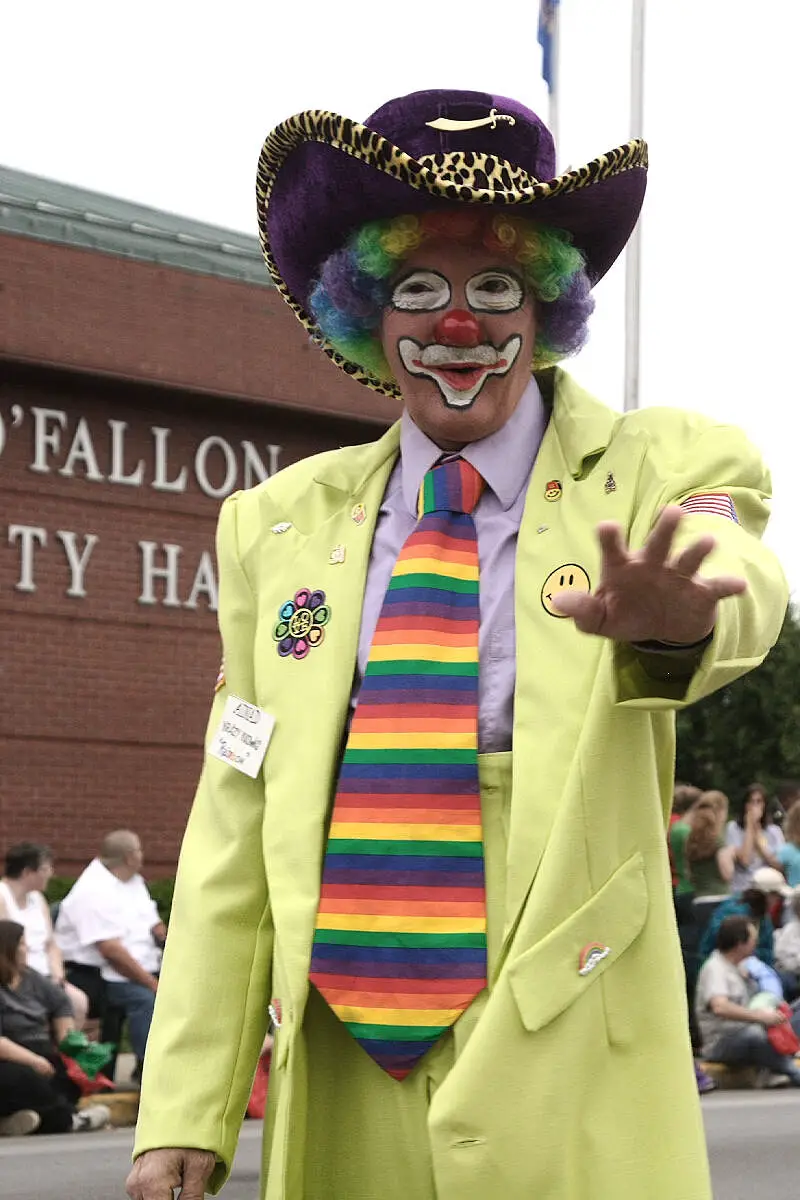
pixel 35 1015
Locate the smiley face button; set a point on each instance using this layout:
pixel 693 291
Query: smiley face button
pixel 567 578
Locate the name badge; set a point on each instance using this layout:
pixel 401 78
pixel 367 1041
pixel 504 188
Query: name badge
pixel 242 736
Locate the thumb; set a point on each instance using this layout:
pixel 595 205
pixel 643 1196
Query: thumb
pixel 197 1168
pixel 587 611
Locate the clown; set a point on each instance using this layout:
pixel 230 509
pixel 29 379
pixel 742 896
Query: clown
pixel 456 907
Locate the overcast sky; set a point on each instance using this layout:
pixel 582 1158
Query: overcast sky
pixel 166 102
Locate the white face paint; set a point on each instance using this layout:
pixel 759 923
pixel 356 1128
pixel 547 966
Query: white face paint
pixel 459 371
pixel 494 292
pixel 421 291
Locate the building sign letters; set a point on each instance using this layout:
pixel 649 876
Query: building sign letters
pixel 69 447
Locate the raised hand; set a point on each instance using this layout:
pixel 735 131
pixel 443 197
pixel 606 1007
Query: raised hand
pixel 648 594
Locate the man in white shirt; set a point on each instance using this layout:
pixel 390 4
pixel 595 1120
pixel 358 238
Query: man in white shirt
pixel 732 1031
pixel 110 934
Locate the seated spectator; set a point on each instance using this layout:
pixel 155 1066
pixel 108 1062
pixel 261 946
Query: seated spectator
pixel 111 935
pixel 789 854
pixel 753 903
pixel 733 1032
pixel 28 870
pixel 755 838
pixel 35 1015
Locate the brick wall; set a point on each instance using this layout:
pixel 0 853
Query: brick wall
pixel 87 311
pixel 105 698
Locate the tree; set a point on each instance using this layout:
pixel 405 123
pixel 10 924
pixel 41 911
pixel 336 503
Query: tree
pixel 749 730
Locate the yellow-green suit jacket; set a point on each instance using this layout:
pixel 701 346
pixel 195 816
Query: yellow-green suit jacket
pixel 572 1087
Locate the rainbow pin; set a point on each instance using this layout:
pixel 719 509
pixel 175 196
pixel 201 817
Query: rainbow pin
pixel 591 956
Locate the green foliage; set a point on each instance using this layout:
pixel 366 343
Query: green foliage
pixel 749 730
pixel 57 888
pixel 160 889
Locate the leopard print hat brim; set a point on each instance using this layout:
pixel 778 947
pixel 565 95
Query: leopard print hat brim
pixel 321 176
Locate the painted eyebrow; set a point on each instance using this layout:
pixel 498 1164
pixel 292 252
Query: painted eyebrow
pixel 506 271
pixel 419 271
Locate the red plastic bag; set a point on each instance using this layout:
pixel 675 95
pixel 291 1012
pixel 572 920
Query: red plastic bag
pixel 258 1097
pixel 782 1037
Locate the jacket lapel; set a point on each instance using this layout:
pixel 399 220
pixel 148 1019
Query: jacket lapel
pixel 555 663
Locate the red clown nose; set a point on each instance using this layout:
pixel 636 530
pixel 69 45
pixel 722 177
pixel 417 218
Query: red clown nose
pixel 457 328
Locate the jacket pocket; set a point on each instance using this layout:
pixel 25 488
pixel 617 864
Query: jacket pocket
pixel 549 977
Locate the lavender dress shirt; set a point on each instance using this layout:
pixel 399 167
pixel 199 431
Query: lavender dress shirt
pixel 505 460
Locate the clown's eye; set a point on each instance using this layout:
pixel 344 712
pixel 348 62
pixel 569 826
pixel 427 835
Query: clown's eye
pixel 494 291
pixel 421 291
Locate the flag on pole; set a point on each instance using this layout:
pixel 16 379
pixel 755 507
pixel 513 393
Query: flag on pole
pixel 547 34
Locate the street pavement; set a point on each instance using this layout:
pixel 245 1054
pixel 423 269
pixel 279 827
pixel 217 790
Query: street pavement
pixel 753 1137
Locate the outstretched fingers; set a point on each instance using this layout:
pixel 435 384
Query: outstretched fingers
pixel 612 544
pixel 689 561
pixel 659 543
pixel 725 585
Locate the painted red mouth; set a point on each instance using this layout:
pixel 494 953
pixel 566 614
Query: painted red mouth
pixel 463 375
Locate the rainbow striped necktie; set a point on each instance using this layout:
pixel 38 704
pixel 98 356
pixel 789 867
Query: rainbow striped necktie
pixel 400 943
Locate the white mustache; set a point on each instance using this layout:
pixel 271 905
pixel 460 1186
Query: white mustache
pixel 439 356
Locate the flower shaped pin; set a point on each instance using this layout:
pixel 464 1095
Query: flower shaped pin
pixel 301 623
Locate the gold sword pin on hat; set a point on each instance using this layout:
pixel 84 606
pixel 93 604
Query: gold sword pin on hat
pixel 452 126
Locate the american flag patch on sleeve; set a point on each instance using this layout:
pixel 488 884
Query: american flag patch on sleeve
pixel 719 504
pixel 220 677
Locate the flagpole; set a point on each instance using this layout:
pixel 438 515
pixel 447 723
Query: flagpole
pixel 633 259
pixel 554 114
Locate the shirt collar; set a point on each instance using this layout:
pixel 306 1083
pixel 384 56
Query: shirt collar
pixel 505 458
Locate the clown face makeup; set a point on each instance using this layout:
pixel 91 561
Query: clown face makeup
pixel 459 337
pixel 459 371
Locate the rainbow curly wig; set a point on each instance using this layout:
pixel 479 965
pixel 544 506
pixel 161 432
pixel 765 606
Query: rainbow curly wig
pixel 355 282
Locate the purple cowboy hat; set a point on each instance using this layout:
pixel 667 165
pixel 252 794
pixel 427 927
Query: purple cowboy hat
pixel 322 176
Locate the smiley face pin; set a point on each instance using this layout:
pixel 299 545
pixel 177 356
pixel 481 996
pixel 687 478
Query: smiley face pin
pixel 568 578
pixel 553 490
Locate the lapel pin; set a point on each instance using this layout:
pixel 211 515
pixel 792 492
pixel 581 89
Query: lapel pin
pixel 300 624
pixel 220 677
pixel 611 484
pixel 591 956
pixel 337 555
pixel 553 490
pixel 543 529
pixel 358 514
pixel 275 1014
pixel 281 527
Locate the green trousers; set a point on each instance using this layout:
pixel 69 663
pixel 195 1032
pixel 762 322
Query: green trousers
pixel 367 1134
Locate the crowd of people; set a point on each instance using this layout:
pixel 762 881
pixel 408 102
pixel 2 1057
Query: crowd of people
pixel 91 965
pixel 736 884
